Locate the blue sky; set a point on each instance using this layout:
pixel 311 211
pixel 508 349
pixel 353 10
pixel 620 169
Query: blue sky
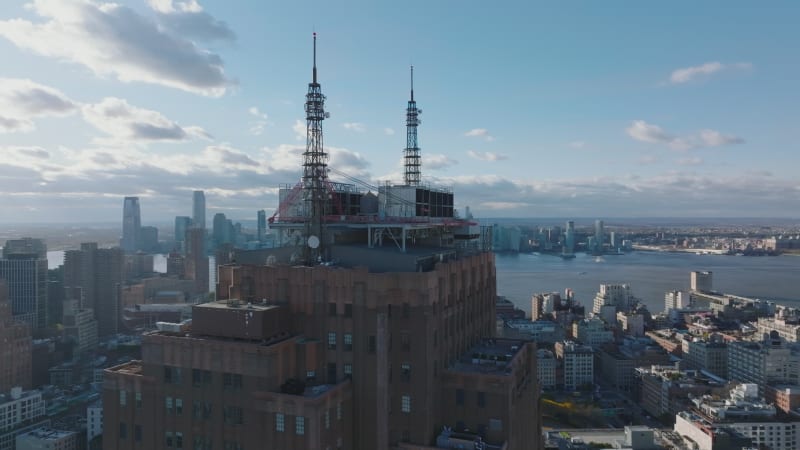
pixel 576 109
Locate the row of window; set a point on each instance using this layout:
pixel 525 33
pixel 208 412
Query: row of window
pixel 347 341
pixel 300 421
pixel 480 398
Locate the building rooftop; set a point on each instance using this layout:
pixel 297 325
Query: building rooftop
pixel 490 356
pixel 128 368
pixel 49 433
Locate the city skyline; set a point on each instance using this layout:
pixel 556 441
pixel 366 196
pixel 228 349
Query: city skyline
pixel 655 111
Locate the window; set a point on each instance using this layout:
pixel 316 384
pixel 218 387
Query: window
pixel 206 410
pixel 280 422
pixel 495 425
pixel 405 371
pixel 138 397
pixel 123 397
pixel 172 375
pixel 178 406
pixel 178 440
pixel 168 404
pixel 327 419
pixel 168 439
pixel 197 409
pixel 406 436
pixel 232 381
pixel 202 443
pixel 405 404
pixel 332 308
pixel 299 425
pixel 481 399
pixel 348 342
pixel 371 344
pixel 200 377
pixel 123 430
pixel 232 445
pixel 348 310
pixel 459 396
pixel 232 415
pixel 311 375
pixel 137 433
pixel 332 341
pixel 332 373
pixel 348 370
pixel 405 342
pixel 406 310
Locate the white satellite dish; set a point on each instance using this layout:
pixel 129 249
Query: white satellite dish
pixel 313 241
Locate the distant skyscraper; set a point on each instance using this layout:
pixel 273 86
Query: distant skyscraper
pixel 569 238
pixel 24 267
pixel 182 223
pixel 199 210
pixel 262 226
pixel 148 240
pixel 598 234
pixel 702 281
pixel 196 263
pixel 99 274
pixel 131 225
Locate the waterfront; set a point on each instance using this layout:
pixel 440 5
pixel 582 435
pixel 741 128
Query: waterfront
pixel 650 275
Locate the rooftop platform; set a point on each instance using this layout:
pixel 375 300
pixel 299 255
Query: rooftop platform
pixel 128 368
pixel 491 356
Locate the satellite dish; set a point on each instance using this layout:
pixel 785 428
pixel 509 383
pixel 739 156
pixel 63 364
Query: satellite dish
pixel 313 241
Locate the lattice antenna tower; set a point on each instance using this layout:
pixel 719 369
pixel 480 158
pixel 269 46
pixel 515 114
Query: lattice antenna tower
pixel 315 169
pixel 411 152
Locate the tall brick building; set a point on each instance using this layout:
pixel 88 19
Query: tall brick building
pixel 371 328
pixel 15 347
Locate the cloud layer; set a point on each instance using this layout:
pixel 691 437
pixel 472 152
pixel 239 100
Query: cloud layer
pixel 114 40
pixel 687 74
pixel 22 100
pixel 645 132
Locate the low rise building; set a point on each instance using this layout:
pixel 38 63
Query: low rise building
pixel 670 340
pixel 617 363
pixel 49 439
pixel 631 323
pixel 592 331
pixel 665 390
pixel 745 413
pixel 20 412
pixel 546 368
pixel 706 354
pixel 94 422
pixel 785 322
pixel 762 363
pixel 785 397
pixel 542 331
pixel 577 362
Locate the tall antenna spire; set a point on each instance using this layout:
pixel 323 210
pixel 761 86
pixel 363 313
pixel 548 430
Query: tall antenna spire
pixel 315 58
pixel 411 152
pixel 315 170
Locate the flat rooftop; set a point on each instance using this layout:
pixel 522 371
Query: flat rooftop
pixel 235 304
pixel 128 368
pixel 490 356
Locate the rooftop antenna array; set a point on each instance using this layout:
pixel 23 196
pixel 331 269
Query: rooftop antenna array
pixel 411 152
pixel 315 169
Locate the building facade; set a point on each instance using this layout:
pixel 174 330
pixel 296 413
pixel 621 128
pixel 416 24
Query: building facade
pixel 199 210
pixel 131 225
pixel 99 274
pixel 24 267
pixel 578 364
pixel 15 347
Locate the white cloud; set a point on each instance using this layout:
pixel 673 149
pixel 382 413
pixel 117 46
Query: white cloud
pixel 437 161
pixel 358 127
pixel 126 123
pixel 388 131
pixel 645 132
pixel 577 144
pixel 692 161
pixel 22 100
pixel 187 19
pixel 479 132
pixel 687 74
pixel 486 156
pixel 299 129
pixel 261 122
pixel 114 40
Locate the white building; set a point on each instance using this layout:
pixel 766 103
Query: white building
pixel 745 413
pixel 630 323
pixel 769 361
pixel 578 362
pixel 48 439
pixel 702 281
pixel 676 300
pixel 546 368
pixel 94 420
pixel 786 323
pixel 618 295
pixel 20 412
pixel 82 327
pixel 592 331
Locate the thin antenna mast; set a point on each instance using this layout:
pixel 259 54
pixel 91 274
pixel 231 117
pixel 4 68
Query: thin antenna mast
pixel 411 152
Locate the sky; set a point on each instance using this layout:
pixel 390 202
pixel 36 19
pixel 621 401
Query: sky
pixel 566 109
